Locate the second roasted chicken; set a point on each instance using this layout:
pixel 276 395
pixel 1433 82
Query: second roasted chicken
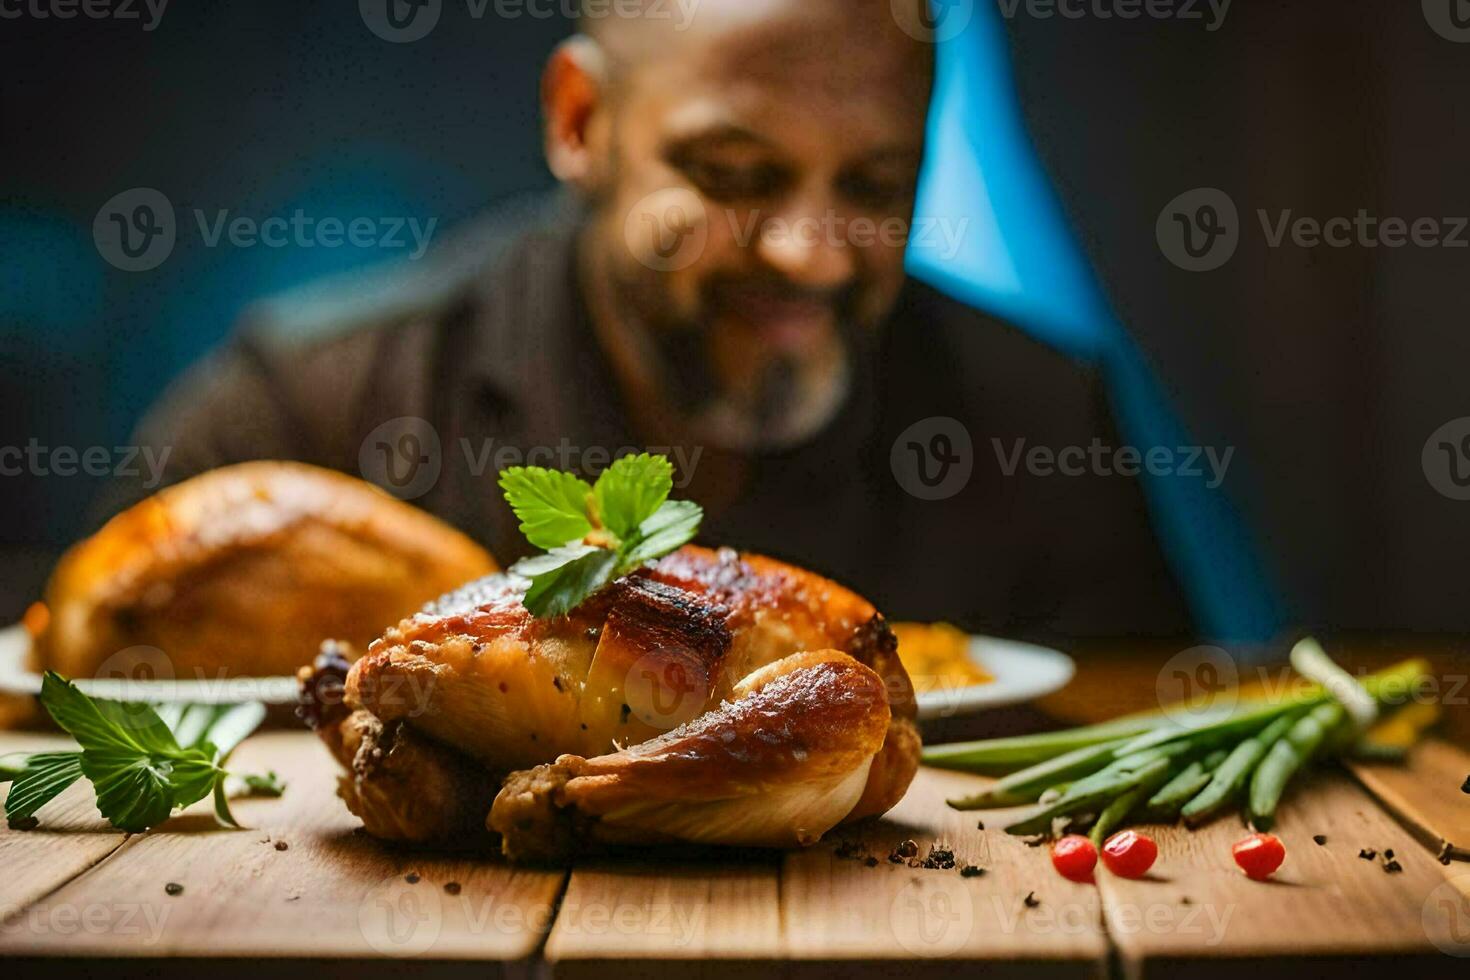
pixel 708 697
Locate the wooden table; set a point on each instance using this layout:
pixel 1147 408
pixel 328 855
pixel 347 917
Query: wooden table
pixel 302 892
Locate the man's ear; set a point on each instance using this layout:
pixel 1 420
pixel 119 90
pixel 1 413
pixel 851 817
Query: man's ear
pixel 571 89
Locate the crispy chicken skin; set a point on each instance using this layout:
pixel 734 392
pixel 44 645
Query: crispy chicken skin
pixel 191 573
pixel 789 671
pixel 778 765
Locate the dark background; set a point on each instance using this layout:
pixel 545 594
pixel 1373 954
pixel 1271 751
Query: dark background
pixel 1326 368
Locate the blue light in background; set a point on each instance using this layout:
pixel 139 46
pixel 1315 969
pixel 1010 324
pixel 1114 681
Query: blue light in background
pixel 1019 260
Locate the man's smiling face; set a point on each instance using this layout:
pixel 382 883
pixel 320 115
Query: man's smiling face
pixel 752 182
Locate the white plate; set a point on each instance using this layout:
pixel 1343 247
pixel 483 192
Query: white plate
pixel 1022 672
pixel 17 678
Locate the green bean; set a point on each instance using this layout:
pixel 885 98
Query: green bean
pixel 1165 805
pixel 1234 771
pixel 1081 798
pixel 998 756
pixel 1285 758
pixel 1119 810
pixel 1027 785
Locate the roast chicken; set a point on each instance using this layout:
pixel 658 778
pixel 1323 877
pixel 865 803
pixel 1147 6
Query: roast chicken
pixel 181 582
pixel 710 697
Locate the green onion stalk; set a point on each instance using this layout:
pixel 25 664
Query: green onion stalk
pixel 1153 767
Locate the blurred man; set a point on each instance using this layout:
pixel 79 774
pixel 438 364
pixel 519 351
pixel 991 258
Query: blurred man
pixel 720 279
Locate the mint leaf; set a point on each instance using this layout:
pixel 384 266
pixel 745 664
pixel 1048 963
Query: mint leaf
pixel 132 756
pixel 632 521
pixel 44 777
pixel 557 590
pixel 630 490
pixel 672 526
pixel 104 725
pixel 551 505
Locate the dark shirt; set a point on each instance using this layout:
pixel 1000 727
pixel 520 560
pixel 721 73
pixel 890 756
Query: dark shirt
pixel 482 355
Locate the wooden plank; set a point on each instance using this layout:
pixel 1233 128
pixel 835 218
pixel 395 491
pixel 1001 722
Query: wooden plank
pixel 837 907
pixel 331 893
pixel 1326 903
pixel 712 914
pixel 1424 793
pixel 71 838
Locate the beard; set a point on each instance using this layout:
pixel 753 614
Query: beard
pixel 785 398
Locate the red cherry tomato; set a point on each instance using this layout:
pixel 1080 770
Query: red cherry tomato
pixel 1074 857
pixel 1259 855
pixel 1129 854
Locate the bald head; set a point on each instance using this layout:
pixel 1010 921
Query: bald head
pixel 630 32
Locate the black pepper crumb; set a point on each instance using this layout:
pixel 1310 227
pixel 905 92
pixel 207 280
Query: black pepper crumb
pixel 1388 854
pixel 533 736
pixel 1367 854
pixel 556 683
pixel 584 726
pixel 1392 867
pixel 1319 839
pixel 870 861
pixel 1185 900
pixel 1031 901
pixel 24 823
pixel 980 825
pixel 1444 852
pixel 894 858
pixel 906 849
pixel 174 888
pixel 1465 786
pixel 971 871
pixel 412 877
pixel 940 858
pixel 623 714
pixel 452 887
pixel 281 845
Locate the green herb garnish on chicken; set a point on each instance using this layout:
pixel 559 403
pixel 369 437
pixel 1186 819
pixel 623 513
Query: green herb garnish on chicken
pixel 594 534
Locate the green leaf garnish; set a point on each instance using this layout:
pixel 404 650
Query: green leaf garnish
pixel 551 505
pixel 142 762
pixel 594 535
